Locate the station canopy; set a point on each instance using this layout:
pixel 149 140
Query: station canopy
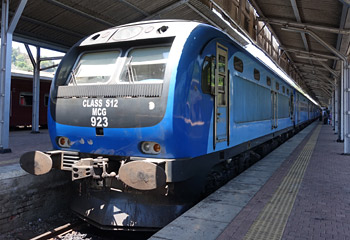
pixel 312 35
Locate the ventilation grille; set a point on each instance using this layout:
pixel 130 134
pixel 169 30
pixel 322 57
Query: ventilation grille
pixel 109 91
pixel 69 159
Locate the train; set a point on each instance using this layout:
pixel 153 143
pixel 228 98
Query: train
pixel 146 115
pixel 22 99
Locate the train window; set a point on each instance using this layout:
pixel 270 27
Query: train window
pixel 46 100
pixel 268 81
pixel 287 91
pixel 145 65
pixel 94 68
pixel 277 86
pixel 283 89
pixel 238 64
pixel 208 74
pixel 25 99
pixel 256 74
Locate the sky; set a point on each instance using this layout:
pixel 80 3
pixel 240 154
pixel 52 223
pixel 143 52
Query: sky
pixel 43 51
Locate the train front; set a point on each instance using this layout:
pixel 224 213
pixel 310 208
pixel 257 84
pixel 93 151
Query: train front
pixel 110 123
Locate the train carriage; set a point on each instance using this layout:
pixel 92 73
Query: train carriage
pixel 142 113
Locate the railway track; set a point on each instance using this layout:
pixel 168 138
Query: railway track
pixel 60 232
pixel 80 230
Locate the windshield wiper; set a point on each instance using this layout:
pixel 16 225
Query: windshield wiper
pixel 130 71
pixel 73 74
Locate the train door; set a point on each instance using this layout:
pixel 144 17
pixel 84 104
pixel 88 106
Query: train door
pixel 274 109
pixel 220 95
pixel 292 108
pixel 298 108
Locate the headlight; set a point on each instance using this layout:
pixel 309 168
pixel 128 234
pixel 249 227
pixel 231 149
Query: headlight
pixel 63 142
pixel 150 147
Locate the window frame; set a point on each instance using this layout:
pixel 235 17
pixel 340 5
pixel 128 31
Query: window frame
pixel 257 74
pixel 234 64
pixel 25 94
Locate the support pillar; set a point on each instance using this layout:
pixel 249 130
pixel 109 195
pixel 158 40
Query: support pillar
pixel 7 30
pixel 337 108
pixel 342 104
pixel 346 78
pixel 36 93
pixel 5 78
pixel 333 108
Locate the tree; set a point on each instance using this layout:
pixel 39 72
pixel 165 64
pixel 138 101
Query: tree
pixel 21 61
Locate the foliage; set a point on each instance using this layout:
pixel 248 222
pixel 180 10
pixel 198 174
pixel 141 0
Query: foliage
pixel 21 61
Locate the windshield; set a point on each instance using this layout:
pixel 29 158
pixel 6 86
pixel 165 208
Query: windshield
pixel 146 65
pixel 94 68
pixel 141 65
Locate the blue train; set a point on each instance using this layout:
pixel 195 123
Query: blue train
pixel 143 114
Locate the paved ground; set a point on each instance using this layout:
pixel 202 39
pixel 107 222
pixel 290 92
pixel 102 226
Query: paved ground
pixel 22 141
pixel 209 218
pixel 322 206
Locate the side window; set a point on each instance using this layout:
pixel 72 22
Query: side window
pixel 283 89
pixel 208 73
pixel 268 81
pixel 46 100
pixel 291 105
pixel 277 86
pixel 256 74
pixel 222 75
pixel 25 99
pixel 238 64
pixel 287 91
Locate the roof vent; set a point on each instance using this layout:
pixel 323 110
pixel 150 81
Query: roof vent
pixel 95 37
pixel 162 29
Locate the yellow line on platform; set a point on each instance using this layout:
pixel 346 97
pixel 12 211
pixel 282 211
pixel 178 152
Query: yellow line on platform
pixel 271 222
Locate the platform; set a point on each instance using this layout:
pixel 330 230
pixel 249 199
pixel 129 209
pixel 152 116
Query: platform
pixel 25 198
pixel 298 191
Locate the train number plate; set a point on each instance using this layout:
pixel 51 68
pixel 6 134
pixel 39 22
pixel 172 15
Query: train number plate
pixel 99 110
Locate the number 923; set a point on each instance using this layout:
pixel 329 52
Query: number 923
pixel 99 121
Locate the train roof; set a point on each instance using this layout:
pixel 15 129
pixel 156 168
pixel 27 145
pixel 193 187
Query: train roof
pixel 154 29
pixel 15 73
pixel 141 30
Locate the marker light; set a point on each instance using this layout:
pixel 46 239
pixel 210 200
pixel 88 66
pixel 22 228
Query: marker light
pixel 156 148
pixel 63 142
pixel 150 147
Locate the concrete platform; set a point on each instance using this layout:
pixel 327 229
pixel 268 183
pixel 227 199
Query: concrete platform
pixel 22 141
pixel 299 191
pixel 23 197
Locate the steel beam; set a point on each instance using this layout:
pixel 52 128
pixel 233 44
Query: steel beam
pixel 311 54
pixel 5 69
pixel 134 7
pixel 297 16
pixel 261 14
pixel 309 57
pixel 322 68
pixel 318 39
pixel 282 22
